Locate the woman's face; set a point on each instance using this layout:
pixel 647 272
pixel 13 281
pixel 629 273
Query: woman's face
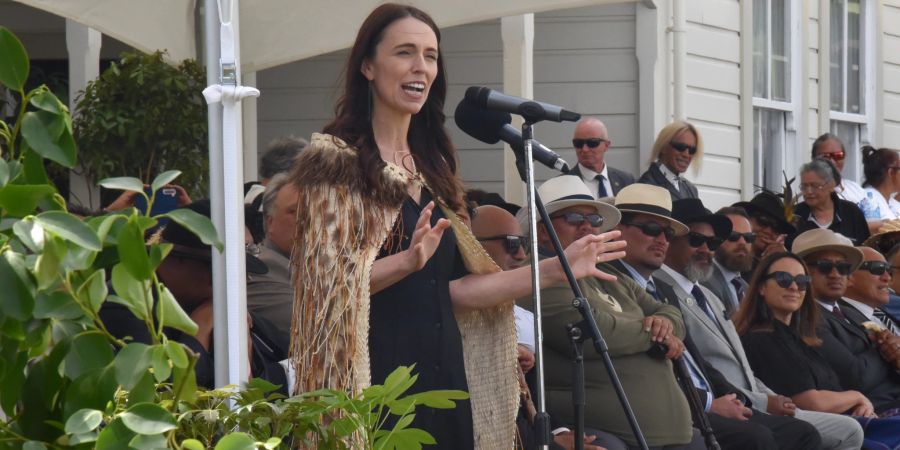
pixel 403 68
pixel 783 302
pixel 679 161
pixel 816 192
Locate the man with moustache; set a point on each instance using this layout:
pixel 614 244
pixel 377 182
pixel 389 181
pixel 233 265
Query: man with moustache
pixel 591 141
pixel 732 258
pixel 846 345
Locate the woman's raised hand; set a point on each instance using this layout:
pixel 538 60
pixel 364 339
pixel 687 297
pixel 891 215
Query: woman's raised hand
pixel 585 253
pixel 425 239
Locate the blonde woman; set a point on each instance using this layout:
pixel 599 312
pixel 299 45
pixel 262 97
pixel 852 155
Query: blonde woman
pixel 676 146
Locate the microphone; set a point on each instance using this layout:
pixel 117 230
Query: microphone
pixel 492 126
pixel 531 110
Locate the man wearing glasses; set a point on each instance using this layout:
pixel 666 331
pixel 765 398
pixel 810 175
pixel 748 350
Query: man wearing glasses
pixel 768 223
pixel 830 147
pixel 732 258
pixel 846 344
pixel 867 292
pixel 591 141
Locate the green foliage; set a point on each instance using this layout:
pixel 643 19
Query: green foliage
pixel 142 116
pixel 67 383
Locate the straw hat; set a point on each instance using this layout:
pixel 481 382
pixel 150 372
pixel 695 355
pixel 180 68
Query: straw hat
pixel 822 239
pixel 886 237
pixel 566 191
pixel 650 200
pixel 691 210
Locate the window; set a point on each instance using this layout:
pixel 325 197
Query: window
pixel 773 106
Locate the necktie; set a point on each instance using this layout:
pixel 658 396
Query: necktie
pixel 887 321
pixel 740 288
pixel 601 191
pixel 702 303
pixel 838 313
pixel 651 289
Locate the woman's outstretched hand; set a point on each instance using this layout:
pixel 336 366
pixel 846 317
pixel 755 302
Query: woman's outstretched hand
pixel 585 253
pixel 425 239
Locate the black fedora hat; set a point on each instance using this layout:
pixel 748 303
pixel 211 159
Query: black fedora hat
pixel 769 205
pixel 691 210
pixel 186 244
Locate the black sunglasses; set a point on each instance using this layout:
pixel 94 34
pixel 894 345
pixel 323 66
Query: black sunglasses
pixel 691 149
pixel 591 142
pixel 696 239
pixel 877 268
pixel 748 237
pixel 573 218
pixel 511 242
pixel 784 280
pixel 825 266
pixel 652 229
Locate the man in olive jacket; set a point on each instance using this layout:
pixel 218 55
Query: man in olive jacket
pixel 632 323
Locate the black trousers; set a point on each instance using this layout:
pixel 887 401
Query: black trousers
pixel 765 431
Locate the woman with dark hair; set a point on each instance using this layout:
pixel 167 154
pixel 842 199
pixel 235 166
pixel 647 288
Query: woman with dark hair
pixel 377 195
pixel 777 323
pixel 821 206
pixel 881 168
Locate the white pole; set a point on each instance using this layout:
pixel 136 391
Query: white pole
pixel 83 45
pixel 680 53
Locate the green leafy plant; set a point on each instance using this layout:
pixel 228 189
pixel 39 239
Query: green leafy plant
pixel 67 383
pixel 141 116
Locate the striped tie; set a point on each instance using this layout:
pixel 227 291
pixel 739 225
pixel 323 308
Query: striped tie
pixel 886 320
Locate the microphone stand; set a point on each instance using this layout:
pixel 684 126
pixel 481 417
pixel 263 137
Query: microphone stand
pixel 588 326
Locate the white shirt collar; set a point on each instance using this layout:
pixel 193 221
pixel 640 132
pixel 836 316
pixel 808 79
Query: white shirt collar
pixel 728 274
pixel 671 176
pixel 638 278
pixel 588 174
pixel 683 282
pixel 828 306
pixel 865 309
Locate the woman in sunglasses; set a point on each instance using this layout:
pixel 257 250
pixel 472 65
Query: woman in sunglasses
pixel 676 146
pixel 882 170
pixel 830 147
pixel 821 206
pixel 777 323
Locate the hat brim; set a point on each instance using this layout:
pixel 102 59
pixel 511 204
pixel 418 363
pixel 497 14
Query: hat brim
pixel 611 215
pixel 875 241
pixel 784 227
pixel 854 255
pixel 680 228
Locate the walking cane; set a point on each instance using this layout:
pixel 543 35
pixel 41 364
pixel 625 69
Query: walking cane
pixel 698 411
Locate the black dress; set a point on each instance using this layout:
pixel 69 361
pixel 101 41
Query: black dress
pixel 787 364
pixel 412 322
pixel 848 221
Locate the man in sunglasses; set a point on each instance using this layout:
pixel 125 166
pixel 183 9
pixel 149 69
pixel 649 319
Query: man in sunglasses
pixel 830 147
pixel 591 141
pixel 732 258
pixel 846 345
pixel 867 291
pixel 767 222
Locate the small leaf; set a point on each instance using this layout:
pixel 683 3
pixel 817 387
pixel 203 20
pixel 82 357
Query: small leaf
pixel 131 363
pixel 30 233
pixel 21 199
pixel 164 179
pixel 172 315
pixel 176 353
pixel 34 445
pixel 236 441
pixel 4 172
pixel 70 228
pixel 133 252
pixel 15 67
pixel 18 289
pixel 198 224
pixel 89 351
pixel 83 421
pixel 123 184
pixel 148 418
pixel 45 100
pixel 160 364
pixel 149 442
pixel 192 444
pixel 103 225
pixel 46 268
pixel 272 443
pixel 42 132
pixel 58 305
pixel 83 438
pixel 94 290
pixel 114 437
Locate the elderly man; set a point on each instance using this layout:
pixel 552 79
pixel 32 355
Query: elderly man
pixel 632 322
pixel 688 261
pixel 846 345
pixel 868 290
pixel 591 141
pixel 271 295
pixel 733 257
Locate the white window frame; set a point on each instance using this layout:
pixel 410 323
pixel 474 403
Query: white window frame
pixel 792 139
pixel 865 119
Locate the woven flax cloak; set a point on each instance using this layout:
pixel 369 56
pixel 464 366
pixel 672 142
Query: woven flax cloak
pixel 340 228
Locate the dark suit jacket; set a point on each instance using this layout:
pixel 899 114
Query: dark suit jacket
pixel 655 177
pixel 723 289
pixel 856 359
pixel 617 178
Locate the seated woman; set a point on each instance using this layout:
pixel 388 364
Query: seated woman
pixel 822 208
pixel 777 324
pixel 881 168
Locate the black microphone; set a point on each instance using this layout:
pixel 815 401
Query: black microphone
pixel 531 110
pixel 492 126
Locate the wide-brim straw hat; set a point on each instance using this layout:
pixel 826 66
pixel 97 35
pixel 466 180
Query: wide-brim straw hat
pixel 566 191
pixel 822 239
pixel 650 200
pixel 886 236
pixel 691 210
pixel 768 204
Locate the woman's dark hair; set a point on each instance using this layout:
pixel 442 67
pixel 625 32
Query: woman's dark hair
pixel 877 164
pixel 823 139
pixel 754 314
pixel 429 143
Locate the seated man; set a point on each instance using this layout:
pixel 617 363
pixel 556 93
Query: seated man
pixel 868 292
pixel 767 221
pixel 632 323
pixel 846 345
